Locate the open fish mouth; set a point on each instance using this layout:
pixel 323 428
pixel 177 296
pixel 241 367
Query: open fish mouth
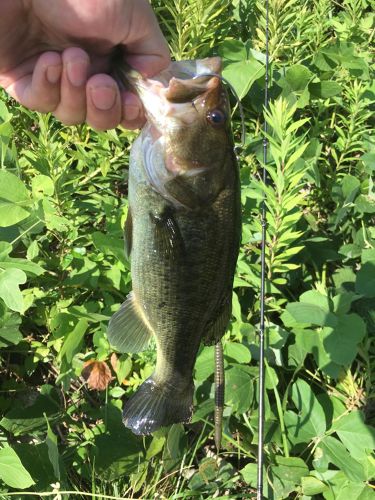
pixel 168 99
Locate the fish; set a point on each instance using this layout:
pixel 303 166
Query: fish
pixel 182 235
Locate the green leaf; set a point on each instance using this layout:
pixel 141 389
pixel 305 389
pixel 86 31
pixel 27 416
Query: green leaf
pixel 312 486
pixel 12 472
pixel 365 283
pixel 23 419
pixel 241 75
pixel 310 314
pixel 341 342
pixel 237 352
pixel 73 341
pixel 109 244
pixel 298 76
pixel 310 422
pixel 355 434
pixel 10 279
pixel 36 461
pixel 286 475
pixel 14 199
pixel 53 451
pixel 339 456
pixel 30 268
pixel 204 366
pixel 9 329
pixel 155 446
pixel 238 388
pixel 42 186
pixel 232 50
pixel 325 89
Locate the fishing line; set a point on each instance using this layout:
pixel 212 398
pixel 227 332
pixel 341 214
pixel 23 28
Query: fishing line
pixel 262 284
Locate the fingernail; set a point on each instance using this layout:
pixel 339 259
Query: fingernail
pixel 77 72
pixel 131 106
pixel 103 98
pixel 53 73
pixel 131 112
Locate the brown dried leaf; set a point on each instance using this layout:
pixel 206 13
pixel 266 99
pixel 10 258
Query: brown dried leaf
pixel 97 374
pixel 114 361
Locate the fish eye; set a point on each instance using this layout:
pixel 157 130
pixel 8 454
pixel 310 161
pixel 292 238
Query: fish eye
pixel 216 117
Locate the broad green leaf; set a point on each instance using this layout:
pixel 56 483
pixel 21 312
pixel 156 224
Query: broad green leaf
pixel 232 50
pixel 53 451
pixel 365 283
pixel 237 352
pixel 243 74
pixel 35 459
pixel 204 366
pixel 118 453
pixel 310 421
pixel 312 486
pixel 340 457
pixel 238 388
pixel 42 185
pixel 174 446
pixel 14 199
pixel 341 342
pixel 109 244
pixel 341 488
pixel 286 475
pixel 325 89
pixel 355 434
pixel 316 298
pixel 73 341
pixel 343 301
pixel 249 474
pixel 21 420
pixel 9 329
pixel 30 268
pixel 10 279
pixel 123 367
pixel 298 76
pixel 12 472
pixel 310 314
pixel 155 446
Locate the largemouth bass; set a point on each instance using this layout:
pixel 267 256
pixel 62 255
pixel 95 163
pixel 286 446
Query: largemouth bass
pixel 182 235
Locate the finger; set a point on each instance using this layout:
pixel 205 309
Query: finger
pixel 36 83
pixel 103 102
pixel 72 107
pixel 132 111
pixel 43 93
pixel 146 48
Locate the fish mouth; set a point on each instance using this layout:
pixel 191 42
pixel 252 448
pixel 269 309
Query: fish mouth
pixel 169 97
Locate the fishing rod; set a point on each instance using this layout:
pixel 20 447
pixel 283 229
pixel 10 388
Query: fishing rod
pixel 261 387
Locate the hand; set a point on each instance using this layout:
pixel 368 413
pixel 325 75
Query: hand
pixel 55 55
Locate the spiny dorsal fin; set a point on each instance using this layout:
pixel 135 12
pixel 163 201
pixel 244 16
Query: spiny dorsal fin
pixel 128 329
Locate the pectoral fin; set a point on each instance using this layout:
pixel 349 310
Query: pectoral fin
pixel 168 238
pixel 128 329
pixel 128 234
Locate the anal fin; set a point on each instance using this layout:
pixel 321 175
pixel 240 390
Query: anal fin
pixel 128 330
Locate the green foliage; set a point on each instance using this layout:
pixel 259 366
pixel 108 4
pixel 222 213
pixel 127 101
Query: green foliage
pixel 63 272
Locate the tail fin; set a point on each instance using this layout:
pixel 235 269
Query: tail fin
pixel 154 406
